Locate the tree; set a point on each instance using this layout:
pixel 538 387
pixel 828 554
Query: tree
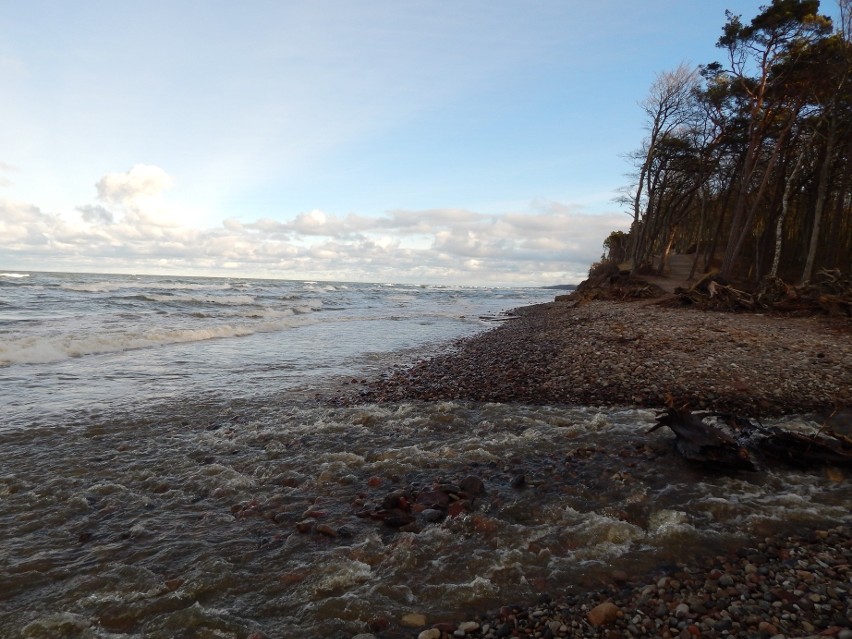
pixel 778 34
pixel 668 108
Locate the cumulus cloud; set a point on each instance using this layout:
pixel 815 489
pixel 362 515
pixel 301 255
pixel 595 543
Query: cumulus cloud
pixel 548 244
pixel 142 181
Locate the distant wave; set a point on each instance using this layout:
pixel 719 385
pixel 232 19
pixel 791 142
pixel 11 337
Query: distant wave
pixel 14 275
pixel 46 349
pixel 108 286
pixel 239 300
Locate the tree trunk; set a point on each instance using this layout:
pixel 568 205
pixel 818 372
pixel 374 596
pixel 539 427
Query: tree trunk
pixel 819 207
pixel 785 208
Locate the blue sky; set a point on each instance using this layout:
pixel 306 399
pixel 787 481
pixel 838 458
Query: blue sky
pixel 465 142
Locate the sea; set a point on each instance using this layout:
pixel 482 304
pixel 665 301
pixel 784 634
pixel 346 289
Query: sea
pixel 171 465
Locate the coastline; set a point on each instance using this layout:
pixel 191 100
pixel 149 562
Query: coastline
pixel 638 353
pixel 608 353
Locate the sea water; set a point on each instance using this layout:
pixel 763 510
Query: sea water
pixel 162 449
pixel 76 343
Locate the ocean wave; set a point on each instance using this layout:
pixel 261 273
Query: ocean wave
pixel 229 300
pixel 108 286
pixel 14 275
pixel 55 348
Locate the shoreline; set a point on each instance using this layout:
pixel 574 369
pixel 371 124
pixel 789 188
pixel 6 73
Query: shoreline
pixel 607 353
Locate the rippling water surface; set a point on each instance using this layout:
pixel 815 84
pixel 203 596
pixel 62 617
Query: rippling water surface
pixel 73 342
pixel 188 523
pixel 189 489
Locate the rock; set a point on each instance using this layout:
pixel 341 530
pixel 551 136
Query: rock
pixel 766 628
pixel 603 614
pixel 433 514
pixel 434 499
pixel 518 481
pixel 396 499
pixel 726 581
pixel 364 635
pixel 468 626
pixel 397 518
pixel 414 620
pixel 432 633
pixel 472 485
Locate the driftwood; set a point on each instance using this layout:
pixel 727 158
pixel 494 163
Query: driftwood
pixel 830 292
pixel 731 442
pixel 804 451
pixel 698 441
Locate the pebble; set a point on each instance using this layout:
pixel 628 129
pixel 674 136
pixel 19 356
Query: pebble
pixel 668 605
pixel 413 619
pixel 603 614
pixel 542 357
pixel 468 627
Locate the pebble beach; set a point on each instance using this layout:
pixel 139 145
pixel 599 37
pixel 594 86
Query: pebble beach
pixel 620 353
pixel 784 585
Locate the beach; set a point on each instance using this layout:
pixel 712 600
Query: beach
pixel 608 353
pixel 795 583
pixel 193 457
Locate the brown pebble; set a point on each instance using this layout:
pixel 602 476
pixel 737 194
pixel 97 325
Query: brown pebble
pixel 603 614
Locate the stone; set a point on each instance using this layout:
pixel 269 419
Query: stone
pixel 472 485
pixel 603 614
pixel 431 633
pixel 433 515
pixel 325 529
pixel 414 620
pixel 468 626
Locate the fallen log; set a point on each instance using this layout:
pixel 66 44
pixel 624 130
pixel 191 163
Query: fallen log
pixel 804 451
pixel 702 442
pixel 735 443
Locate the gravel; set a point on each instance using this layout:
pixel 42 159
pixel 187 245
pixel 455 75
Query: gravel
pixel 618 353
pixel 781 587
pixel 640 354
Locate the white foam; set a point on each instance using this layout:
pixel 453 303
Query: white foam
pixel 39 349
pixel 239 300
pixel 14 275
pixel 107 286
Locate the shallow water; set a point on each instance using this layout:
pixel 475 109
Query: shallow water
pixel 73 343
pixel 183 522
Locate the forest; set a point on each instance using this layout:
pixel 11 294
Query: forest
pixel 747 163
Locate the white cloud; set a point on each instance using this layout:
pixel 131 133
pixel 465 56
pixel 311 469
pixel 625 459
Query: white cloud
pixel 133 228
pixel 139 183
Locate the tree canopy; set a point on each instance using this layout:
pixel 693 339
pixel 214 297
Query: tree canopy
pixel 748 160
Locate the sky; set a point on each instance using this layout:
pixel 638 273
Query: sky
pixel 466 142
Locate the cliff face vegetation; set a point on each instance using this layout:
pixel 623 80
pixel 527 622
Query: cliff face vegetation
pixel 747 166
